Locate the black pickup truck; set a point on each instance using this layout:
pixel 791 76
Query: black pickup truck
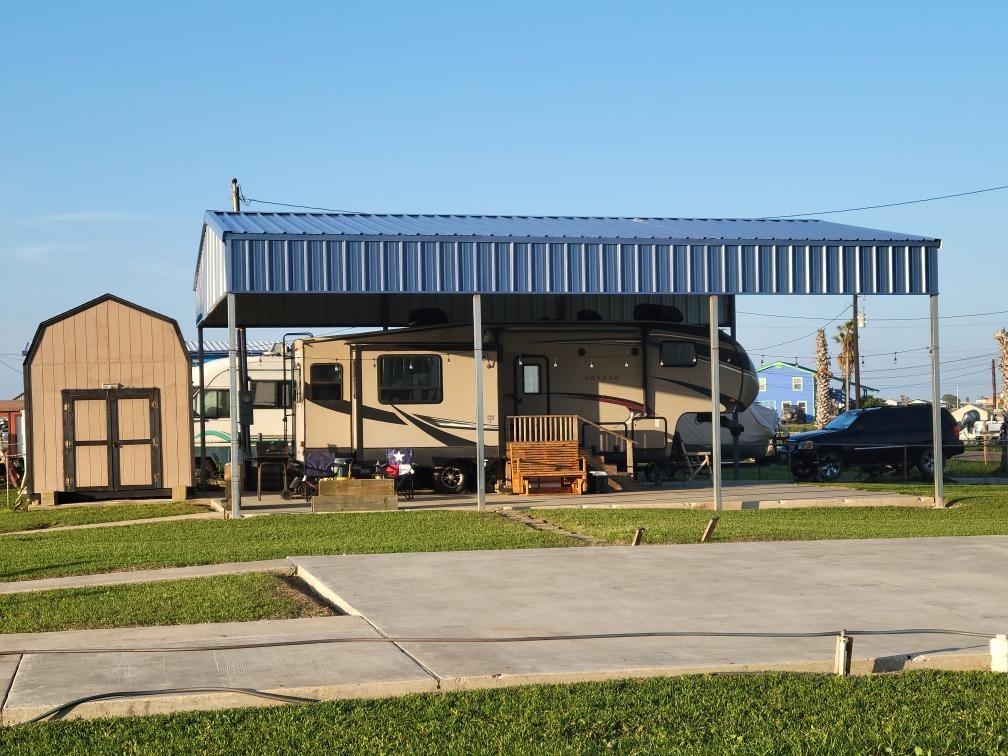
pixel 881 437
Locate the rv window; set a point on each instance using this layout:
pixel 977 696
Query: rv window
pixel 677 354
pixel 325 382
pixel 531 379
pixel 409 379
pixel 218 404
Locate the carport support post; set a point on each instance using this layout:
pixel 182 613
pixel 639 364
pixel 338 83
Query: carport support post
pixel 236 452
pixel 201 470
pixel 478 360
pixel 715 382
pixel 936 418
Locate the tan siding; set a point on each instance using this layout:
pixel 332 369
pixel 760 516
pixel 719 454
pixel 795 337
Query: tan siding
pixel 108 344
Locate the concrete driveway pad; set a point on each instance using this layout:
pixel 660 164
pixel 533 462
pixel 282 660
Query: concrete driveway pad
pixel 953 583
pixel 38 682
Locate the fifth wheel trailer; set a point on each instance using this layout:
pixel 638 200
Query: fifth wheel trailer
pixel 413 388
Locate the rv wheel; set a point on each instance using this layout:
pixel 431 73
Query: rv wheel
pixel 452 478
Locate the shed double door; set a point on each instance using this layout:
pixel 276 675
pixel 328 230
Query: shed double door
pixel 111 439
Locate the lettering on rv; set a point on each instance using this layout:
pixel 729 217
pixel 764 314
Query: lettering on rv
pixel 595 378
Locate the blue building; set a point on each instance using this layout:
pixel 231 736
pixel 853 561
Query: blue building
pixel 784 384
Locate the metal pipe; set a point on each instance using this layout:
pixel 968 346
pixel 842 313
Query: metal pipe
pixel 715 379
pixel 857 357
pixel 736 467
pixel 936 417
pixel 478 360
pixel 236 452
pixel 290 411
pixel 243 378
pixel 201 479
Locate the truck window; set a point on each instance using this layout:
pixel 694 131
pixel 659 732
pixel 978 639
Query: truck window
pixel 409 379
pixel 677 354
pixel 325 382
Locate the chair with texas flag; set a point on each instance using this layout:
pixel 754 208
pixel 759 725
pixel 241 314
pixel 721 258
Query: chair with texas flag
pixel 399 466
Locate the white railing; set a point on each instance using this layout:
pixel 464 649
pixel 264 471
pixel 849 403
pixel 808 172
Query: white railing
pixel 538 428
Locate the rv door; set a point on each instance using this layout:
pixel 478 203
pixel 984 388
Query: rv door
pixel 531 382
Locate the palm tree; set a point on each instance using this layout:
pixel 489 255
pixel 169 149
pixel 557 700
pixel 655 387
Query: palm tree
pixel 845 357
pixel 825 408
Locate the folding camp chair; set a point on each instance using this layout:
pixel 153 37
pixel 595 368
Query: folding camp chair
pixel 691 463
pixel 399 467
pixel 301 479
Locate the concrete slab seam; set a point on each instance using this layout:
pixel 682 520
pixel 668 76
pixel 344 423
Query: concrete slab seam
pixel 333 599
pixel 8 688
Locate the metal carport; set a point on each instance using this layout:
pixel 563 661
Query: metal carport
pixel 350 269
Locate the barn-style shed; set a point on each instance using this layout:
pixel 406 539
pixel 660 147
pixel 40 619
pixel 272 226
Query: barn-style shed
pixel 107 391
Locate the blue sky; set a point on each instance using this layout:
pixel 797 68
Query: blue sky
pixel 123 122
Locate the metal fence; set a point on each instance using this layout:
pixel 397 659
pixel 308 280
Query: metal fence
pixel 977 462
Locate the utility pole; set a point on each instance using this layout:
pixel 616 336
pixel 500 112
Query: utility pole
pixel 857 359
pixel 235 196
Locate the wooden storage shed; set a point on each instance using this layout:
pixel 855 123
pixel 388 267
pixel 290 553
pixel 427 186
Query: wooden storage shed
pixel 107 399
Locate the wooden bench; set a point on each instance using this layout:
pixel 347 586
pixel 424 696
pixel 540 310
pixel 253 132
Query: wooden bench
pixel 547 460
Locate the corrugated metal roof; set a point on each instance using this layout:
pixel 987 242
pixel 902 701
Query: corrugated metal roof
pixel 220 346
pixel 409 257
pixel 545 227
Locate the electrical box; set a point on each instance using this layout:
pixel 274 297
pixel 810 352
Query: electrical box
pixel 245 407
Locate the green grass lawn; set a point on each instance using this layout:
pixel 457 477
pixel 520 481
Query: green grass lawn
pixel 978 510
pixel 37 519
pixel 228 598
pixel 936 713
pixel 189 542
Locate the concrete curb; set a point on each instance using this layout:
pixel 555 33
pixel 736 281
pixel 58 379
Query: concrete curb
pixel 170 703
pixel 279 566
pixel 899 500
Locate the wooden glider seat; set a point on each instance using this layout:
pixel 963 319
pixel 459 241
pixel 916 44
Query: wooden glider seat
pixel 534 462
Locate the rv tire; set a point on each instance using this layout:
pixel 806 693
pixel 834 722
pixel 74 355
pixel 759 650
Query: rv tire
pixel 452 477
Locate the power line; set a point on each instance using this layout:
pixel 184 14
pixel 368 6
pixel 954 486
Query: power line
pixel 889 204
pixel 792 341
pixel 249 200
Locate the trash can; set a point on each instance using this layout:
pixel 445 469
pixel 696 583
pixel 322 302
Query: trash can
pixel 598 481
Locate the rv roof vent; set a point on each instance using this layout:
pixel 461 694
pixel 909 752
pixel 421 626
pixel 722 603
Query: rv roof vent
pixel 654 311
pixel 588 315
pixel 425 316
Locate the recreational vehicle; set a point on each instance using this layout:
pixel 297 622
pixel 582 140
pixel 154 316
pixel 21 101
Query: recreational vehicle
pixel 414 388
pixel 270 392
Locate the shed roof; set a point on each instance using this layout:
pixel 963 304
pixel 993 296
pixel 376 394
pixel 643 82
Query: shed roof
pixel 37 338
pixel 272 259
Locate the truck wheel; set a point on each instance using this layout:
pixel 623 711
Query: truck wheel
pixel 452 478
pixel 830 466
pixel 926 464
